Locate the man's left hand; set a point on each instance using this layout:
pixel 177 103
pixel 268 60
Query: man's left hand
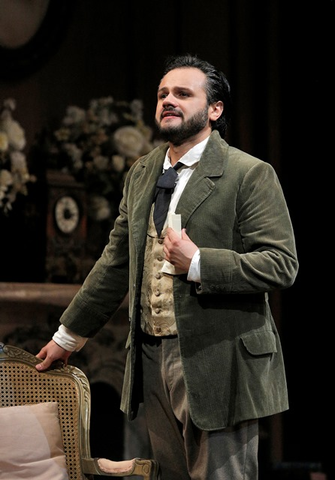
pixel 179 251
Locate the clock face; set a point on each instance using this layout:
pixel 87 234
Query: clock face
pixel 67 214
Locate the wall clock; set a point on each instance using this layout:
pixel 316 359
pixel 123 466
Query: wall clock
pixel 67 214
pixel 66 229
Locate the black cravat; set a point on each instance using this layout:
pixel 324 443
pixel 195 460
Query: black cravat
pixel 164 190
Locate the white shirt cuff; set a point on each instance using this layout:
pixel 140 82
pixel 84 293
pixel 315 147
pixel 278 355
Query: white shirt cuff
pixel 194 270
pixel 68 340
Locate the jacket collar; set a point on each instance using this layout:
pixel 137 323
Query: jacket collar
pixel 211 163
pixel 198 188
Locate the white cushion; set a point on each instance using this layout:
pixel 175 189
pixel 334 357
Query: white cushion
pixel 31 443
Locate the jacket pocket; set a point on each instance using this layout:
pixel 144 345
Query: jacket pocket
pixel 260 343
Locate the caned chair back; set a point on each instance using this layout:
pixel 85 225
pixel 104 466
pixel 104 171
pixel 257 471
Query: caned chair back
pixel 22 384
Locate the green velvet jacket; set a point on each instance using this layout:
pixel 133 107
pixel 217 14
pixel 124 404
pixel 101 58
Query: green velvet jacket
pixel 234 210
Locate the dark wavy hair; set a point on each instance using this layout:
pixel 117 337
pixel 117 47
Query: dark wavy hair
pixel 217 88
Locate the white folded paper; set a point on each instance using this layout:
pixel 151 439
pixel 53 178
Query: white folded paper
pixel 173 221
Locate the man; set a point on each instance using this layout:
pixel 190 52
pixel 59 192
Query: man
pixel 204 353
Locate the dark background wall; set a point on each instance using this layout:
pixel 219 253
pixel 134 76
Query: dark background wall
pixel 279 59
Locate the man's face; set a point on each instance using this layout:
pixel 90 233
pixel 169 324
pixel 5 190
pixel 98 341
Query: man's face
pixel 182 111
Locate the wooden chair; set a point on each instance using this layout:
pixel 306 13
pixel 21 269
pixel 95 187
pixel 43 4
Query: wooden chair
pixel 22 384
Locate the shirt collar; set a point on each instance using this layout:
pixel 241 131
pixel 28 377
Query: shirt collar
pixel 191 157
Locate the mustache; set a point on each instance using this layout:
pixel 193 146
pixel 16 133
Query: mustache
pixel 171 110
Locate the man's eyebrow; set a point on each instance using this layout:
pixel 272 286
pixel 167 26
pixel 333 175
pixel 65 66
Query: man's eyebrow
pixel 177 87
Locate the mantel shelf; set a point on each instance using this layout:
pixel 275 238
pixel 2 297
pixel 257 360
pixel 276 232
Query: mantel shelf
pixel 38 293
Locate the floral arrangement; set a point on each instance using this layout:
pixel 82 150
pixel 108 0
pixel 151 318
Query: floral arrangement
pixel 14 174
pixel 98 146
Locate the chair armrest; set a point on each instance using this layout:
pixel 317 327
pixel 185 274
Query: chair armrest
pixel 148 469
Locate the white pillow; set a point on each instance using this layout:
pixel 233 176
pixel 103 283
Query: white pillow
pixel 31 443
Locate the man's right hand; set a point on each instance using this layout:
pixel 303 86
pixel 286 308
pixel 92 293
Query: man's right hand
pixel 50 353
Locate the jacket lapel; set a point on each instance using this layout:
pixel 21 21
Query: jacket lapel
pixel 200 186
pixel 142 191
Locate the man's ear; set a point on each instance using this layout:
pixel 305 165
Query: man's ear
pixel 215 110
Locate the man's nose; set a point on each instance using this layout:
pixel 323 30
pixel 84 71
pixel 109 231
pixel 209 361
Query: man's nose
pixel 169 100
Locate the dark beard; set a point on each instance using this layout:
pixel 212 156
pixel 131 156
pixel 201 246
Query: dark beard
pixel 177 135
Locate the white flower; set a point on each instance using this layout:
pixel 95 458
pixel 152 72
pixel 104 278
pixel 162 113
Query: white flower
pixel 137 109
pixel 118 163
pixel 18 161
pixel 16 136
pixel 128 141
pixel 99 208
pixel 94 104
pixel 75 154
pixel 74 115
pixel 6 179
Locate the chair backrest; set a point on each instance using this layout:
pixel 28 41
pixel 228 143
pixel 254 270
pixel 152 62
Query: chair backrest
pixel 68 389
pixel 22 384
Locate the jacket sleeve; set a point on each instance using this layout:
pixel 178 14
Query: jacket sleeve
pixel 106 285
pixel 266 257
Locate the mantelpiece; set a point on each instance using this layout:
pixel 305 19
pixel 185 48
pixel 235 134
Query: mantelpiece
pixel 37 293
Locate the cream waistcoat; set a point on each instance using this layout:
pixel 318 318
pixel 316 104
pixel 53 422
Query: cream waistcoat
pixel 157 305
